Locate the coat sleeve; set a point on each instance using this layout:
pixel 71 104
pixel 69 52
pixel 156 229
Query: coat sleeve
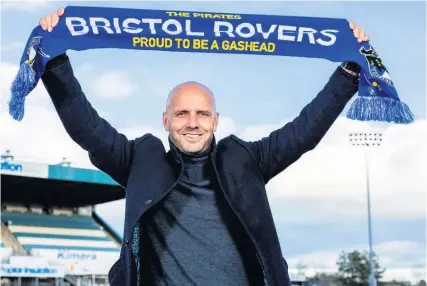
pixel 108 149
pixel 287 144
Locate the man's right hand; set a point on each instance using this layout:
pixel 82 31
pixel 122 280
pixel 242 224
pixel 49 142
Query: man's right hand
pixel 50 21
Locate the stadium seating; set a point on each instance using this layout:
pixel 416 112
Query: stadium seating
pixel 65 232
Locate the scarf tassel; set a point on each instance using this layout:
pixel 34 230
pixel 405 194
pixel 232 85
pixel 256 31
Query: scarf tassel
pixel 22 85
pixel 378 108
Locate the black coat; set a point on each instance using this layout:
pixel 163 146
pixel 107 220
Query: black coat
pixel 148 172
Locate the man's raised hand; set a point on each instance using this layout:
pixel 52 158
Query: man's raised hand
pixel 359 33
pixel 50 21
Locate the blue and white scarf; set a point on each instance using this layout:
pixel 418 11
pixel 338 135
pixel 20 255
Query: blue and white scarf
pixel 82 28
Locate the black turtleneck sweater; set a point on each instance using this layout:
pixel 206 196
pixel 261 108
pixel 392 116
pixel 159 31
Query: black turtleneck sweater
pixel 192 238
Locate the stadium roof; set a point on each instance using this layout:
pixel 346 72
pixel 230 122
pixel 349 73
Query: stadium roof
pixel 56 185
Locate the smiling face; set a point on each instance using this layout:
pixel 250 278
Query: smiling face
pixel 190 117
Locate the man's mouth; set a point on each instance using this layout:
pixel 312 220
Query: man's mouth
pixel 190 135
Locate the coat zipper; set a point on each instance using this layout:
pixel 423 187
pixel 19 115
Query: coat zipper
pixel 240 219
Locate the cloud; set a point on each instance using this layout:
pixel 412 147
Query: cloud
pixel 12 47
pixel 408 252
pixel 114 214
pixel 403 260
pixel 136 131
pixel 8 71
pixel 49 140
pixel 320 200
pixel 27 6
pixel 332 177
pixel 113 85
pixel 84 70
pixel 7 74
pixel 40 137
pixel 226 126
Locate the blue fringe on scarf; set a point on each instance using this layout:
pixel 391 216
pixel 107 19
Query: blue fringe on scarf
pixel 23 83
pixel 378 108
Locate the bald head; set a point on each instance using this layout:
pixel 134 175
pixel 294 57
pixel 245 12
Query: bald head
pixel 191 87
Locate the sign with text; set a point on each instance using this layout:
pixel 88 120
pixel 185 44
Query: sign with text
pixel 26 169
pixel 17 270
pixel 79 262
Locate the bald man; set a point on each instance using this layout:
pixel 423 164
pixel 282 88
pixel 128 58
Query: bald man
pixel 191 117
pixel 197 214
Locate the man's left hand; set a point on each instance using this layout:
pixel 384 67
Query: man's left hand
pixel 361 36
pixel 359 33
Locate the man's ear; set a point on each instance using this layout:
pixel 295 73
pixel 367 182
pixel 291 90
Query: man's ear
pixel 165 121
pixel 216 121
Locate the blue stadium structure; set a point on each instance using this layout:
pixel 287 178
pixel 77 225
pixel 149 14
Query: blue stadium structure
pixel 50 232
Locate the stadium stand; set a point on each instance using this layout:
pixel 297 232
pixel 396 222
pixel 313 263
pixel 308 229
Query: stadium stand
pixel 50 232
pixel 72 232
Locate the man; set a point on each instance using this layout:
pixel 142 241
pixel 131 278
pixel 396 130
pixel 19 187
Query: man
pixel 197 214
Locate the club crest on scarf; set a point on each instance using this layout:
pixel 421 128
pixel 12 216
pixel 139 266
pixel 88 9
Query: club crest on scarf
pixel 376 66
pixel 34 49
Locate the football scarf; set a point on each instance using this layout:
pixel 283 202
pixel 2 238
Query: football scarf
pixel 83 28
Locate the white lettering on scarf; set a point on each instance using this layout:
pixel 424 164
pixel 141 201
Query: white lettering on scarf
pixel 78 27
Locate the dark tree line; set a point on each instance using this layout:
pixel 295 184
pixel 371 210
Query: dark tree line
pixel 354 270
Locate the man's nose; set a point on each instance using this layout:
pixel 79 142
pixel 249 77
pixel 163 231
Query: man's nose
pixel 192 121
